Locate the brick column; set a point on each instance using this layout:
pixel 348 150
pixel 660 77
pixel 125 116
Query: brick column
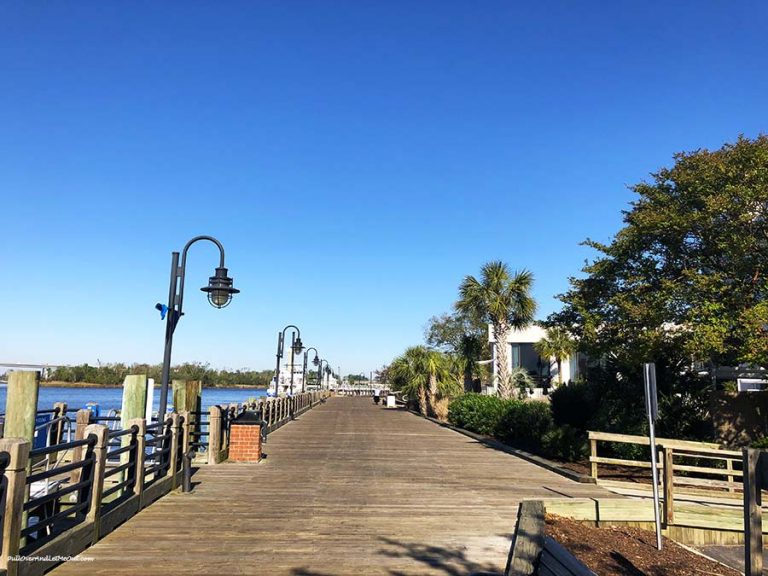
pixel 245 442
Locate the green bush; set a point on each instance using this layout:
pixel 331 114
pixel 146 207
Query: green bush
pixel 524 424
pixel 564 443
pixel 572 405
pixel 476 412
pixel 761 444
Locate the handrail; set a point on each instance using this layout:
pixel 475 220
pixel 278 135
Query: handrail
pixel 680 464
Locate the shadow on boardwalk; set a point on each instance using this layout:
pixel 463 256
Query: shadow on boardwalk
pixel 450 562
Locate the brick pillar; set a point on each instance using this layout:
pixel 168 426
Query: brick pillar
pixel 245 442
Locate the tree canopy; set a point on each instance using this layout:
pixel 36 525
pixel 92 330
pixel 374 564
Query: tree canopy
pixel 686 275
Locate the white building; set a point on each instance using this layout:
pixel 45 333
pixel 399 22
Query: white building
pixel 521 354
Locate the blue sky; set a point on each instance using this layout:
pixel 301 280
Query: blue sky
pixel 356 159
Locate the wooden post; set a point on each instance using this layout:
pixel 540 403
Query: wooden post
pixel 753 513
pixel 669 485
pixel 141 439
pixel 57 430
pixel 174 463
pixel 16 478
pixel 593 452
pixel 82 419
pixel 59 427
pixel 729 467
pixel 97 487
pixel 21 404
pixel 187 397
pixel 134 398
pixel 186 428
pixel 214 434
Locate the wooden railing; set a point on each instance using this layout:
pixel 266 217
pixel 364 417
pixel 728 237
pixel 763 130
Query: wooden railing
pixel 701 466
pixel 58 500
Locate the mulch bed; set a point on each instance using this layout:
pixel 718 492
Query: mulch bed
pixel 626 551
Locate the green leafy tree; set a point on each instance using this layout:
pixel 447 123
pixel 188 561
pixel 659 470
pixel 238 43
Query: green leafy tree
pixel 558 344
pixel 503 299
pixel 687 276
pixel 463 335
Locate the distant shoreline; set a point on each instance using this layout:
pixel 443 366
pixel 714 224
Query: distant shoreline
pixel 59 384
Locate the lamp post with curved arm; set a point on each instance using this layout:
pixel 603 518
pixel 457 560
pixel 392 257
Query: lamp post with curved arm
pixel 219 292
pixel 296 348
pixel 320 370
pixel 315 361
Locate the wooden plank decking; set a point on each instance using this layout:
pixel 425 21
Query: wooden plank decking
pixel 347 488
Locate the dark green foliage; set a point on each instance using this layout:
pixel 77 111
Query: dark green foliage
pixel 761 444
pixel 565 443
pixel 524 424
pixel 572 405
pixel 114 374
pixel 476 412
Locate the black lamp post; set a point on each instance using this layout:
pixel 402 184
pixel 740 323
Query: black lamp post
pixel 315 361
pixel 320 370
pixel 219 292
pixel 296 348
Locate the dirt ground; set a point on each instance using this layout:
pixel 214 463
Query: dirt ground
pixel 620 551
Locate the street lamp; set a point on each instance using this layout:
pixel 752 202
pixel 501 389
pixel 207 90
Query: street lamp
pixel 296 348
pixel 219 292
pixel 315 361
pixel 320 369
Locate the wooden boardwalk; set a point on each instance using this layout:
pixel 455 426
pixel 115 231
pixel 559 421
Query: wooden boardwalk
pixel 347 488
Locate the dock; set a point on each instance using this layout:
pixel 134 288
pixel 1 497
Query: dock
pixel 346 488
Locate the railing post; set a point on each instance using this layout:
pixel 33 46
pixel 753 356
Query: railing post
pixel 753 512
pixel 16 477
pixel 97 484
pixel 56 438
pixel 214 434
pixel 56 431
pixel 669 486
pixel 729 467
pixel 173 467
pixel 82 419
pixel 141 452
pixel 186 430
pixel 593 453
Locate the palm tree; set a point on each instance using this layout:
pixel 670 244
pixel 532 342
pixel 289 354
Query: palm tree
pixel 407 375
pixel 559 344
pixel 422 373
pixel 504 300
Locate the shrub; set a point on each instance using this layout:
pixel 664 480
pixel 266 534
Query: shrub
pixel 476 412
pixel 441 409
pixel 564 443
pixel 524 424
pixel 572 405
pixel 761 444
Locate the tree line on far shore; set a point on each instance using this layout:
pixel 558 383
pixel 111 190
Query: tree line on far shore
pixel 114 374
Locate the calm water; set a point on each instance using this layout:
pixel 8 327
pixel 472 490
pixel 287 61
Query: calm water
pixel 111 398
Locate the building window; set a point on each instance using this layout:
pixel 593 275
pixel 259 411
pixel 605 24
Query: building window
pixel 515 355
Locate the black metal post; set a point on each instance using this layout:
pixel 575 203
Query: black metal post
pixel 186 477
pixel 293 344
pixel 174 312
pixel 304 369
pixel 280 347
pixel 277 366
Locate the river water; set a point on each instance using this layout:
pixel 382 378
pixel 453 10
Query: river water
pixel 111 398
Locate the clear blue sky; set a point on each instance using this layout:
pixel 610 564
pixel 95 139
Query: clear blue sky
pixel 356 159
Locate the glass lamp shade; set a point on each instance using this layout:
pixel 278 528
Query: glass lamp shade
pixel 298 346
pixel 316 361
pixel 220 289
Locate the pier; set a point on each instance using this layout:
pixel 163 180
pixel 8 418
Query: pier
pixel 346 488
